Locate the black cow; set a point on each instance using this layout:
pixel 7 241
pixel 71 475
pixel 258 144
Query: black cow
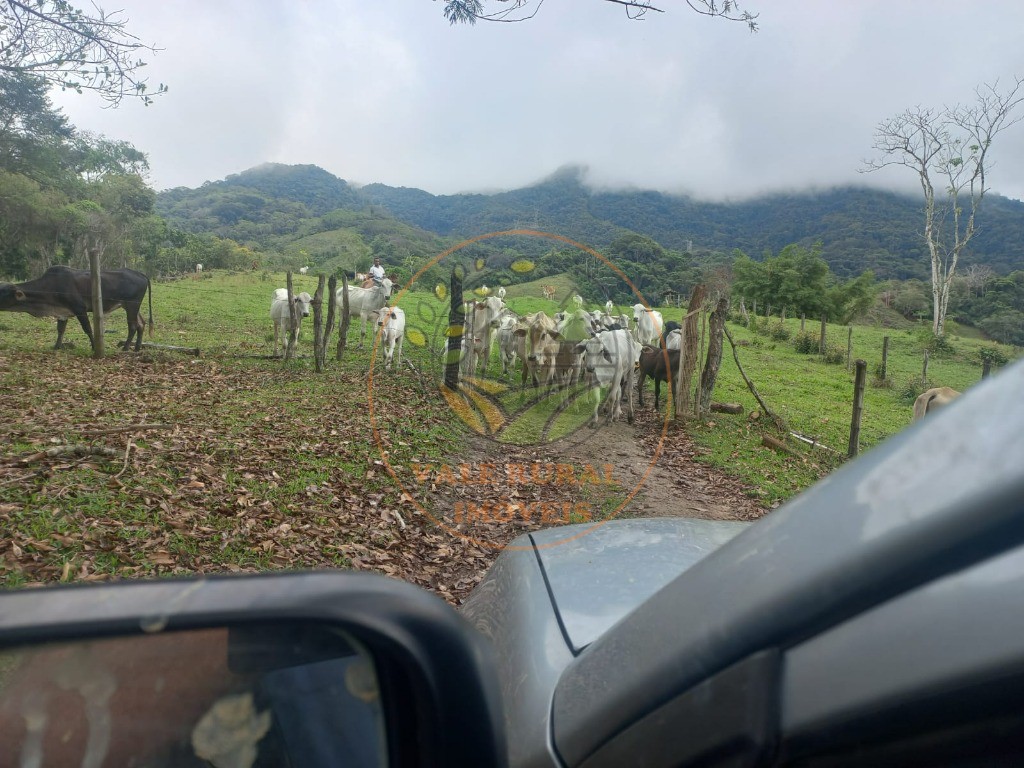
pixel 660 366
pixel 63 293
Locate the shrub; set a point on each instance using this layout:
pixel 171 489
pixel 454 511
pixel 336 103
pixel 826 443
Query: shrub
pixel 940 346
pixel 806 343
pixel 912 387
pixel 993 356
pixel 834 354
pixel 779 331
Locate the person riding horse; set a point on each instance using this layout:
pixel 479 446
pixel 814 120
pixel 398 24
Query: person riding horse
pixel 376 275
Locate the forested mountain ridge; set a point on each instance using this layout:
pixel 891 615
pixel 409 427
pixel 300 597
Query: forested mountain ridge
pixel 859 228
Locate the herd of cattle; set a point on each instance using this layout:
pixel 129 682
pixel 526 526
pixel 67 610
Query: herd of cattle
pixel 599 347
pixel 606 350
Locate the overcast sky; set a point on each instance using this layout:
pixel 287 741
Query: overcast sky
pixel 388 92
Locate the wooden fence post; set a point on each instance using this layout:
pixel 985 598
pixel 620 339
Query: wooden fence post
pixel 849 347
pixel 332 292
pixel 688 345
pixel 716 327
pixel 293 318
pixel 986 369
pixel 456 327
pixel 885 357
pixel 802 319
pixel 858 407
pixel 318 325
pixel 97 302
pixel 345 319
pixel 821 341
pixel 924 369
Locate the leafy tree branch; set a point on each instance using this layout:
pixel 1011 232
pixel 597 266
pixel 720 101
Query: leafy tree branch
pixel 74 49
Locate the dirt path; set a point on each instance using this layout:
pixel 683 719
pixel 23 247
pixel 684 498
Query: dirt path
pixel 651 464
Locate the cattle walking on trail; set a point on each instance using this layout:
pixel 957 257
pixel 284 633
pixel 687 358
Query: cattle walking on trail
pixel 660 365
pixel 64 293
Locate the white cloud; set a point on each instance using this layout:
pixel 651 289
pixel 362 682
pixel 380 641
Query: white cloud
pixel 390 92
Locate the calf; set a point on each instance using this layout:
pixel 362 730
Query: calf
pixel 391 321
pixel 63 293
pixel 281 315
pixel 660 366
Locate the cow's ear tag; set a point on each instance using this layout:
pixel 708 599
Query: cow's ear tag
pixel 19 295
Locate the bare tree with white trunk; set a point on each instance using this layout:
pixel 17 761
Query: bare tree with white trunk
pixel 949 149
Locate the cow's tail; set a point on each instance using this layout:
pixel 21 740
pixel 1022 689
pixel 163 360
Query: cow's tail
pixel 149 290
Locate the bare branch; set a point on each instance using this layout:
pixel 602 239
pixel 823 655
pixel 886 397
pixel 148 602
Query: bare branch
pixel 73 49
pixel 512 11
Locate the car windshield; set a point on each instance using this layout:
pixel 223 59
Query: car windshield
pixel 386 286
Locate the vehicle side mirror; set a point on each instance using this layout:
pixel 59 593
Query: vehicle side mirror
pixel 310 669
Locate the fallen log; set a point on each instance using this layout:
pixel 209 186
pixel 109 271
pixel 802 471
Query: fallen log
pixel 128 428
pixel 777 445
pixel 727 407
pixel 194 351
pixel 70 450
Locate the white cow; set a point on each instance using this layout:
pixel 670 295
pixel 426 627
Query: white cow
pixel 303 270
pixel 506 339
pixel 391 321
pixel 537 345
pixel 501 292
pixel 674 339
pixel 282 317
pixel 610 358
pixel 482 319
pixel 573 329
pixel 199 267
pixel 363 302
pixel 577 300
pixel 648 324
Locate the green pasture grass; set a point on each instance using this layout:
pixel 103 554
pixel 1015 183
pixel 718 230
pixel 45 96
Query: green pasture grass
pixel 226 315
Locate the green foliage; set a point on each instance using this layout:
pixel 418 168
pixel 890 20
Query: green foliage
pixel 800 280
pixel 834 354
pixel 993 356
pixel 806 343
pixel 940 346
pixel 778 331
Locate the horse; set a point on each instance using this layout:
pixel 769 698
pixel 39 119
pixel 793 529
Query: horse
pixel 932 399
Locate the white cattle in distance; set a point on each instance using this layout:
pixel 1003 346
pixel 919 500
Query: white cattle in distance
pixel 391 321
pixel 281 315
pixel 362 302
pixel 199 268
pixel 501 292
pixel 610 360
pixel 303 270
pixel 648 324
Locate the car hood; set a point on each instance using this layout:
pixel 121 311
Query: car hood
pixel 596 574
